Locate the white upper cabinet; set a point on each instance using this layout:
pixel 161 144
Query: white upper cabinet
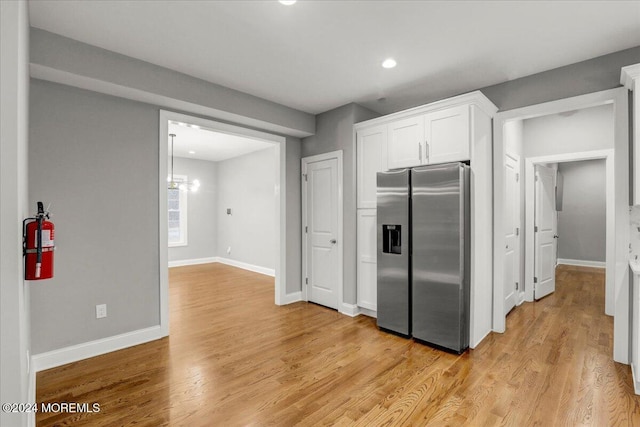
pixel 441 136
pixel 630 78
pixel 406 143
pixel 447 135
pixel 371 146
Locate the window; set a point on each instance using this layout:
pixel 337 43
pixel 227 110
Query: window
pixel 177 204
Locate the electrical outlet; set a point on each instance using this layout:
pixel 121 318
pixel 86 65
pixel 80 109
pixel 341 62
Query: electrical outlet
pixel 229 250
pixel 101 311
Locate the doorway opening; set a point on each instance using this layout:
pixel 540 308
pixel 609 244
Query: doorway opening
pixel 605 136
pixel 590 185
pixel 222 177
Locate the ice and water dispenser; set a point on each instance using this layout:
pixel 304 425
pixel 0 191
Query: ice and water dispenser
pixel 391 239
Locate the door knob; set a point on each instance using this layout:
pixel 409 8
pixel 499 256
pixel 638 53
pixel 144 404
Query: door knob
pixel 333 241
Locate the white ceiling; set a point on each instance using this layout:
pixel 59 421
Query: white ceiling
pixel 318 55
pixel 210 145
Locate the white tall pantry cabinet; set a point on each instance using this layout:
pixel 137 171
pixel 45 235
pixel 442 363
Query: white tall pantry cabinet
pixel 451 130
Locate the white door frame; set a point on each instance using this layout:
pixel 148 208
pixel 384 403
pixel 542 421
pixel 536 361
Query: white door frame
pixel 529 265
pixel 620 215
pixel 519 299
pixel 340 244
pixel 280 195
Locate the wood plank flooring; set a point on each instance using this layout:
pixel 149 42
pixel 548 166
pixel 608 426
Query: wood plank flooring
pixel 234 358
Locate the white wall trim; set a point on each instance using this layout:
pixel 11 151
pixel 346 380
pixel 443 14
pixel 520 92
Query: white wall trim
pixel 31 393
pixel 630 78
pixel 636 382
pixel 476 98
pixel 194 261
pixel 618 233
pixel 475 343
pixel 351 310
pixel 280 194
pixel 628 75
pixel 62 356
pixel 340 245
pixel 246 266
pixel 292 297
pixel 582 263
pixel 368 312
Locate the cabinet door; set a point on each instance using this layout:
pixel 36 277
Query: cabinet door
pixel 366 286
pixel 371 145
pixel 447 135
pixel 406 143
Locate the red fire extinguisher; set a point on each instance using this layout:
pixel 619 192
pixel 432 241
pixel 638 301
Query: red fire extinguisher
pixel 37 235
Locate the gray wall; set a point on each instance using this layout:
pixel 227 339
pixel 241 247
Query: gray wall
pixel 94 157
pixel 583 130
pixel 246 185
pixel 14 294
pixel 201 210
pixel 334 131
pixel 582 221
pixel 97 155
pixel 589 76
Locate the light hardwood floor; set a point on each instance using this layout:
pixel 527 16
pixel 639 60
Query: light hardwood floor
pixel 234 358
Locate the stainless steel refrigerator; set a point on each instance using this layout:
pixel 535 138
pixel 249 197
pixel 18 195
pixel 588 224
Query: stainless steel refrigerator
pixel 423 254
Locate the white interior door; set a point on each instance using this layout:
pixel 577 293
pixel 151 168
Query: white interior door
pixel 512 231
pixel 321 228
pixel 545 228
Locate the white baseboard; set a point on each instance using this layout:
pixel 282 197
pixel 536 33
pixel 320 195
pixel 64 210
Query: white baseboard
pixel 369 312
pixel 349 309
pixel 475 344
pixel 636 382
pixel 62 356
pixel 581 263
pixel 255 268
pixel 31 395
pixel 245 266
pixel 291 298
pixel 196 261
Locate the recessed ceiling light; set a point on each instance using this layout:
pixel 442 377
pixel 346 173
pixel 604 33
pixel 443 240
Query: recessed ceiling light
pixel 192 152
pixel 287 2
pixel 389 63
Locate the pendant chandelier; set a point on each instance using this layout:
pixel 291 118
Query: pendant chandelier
pixel 174 184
